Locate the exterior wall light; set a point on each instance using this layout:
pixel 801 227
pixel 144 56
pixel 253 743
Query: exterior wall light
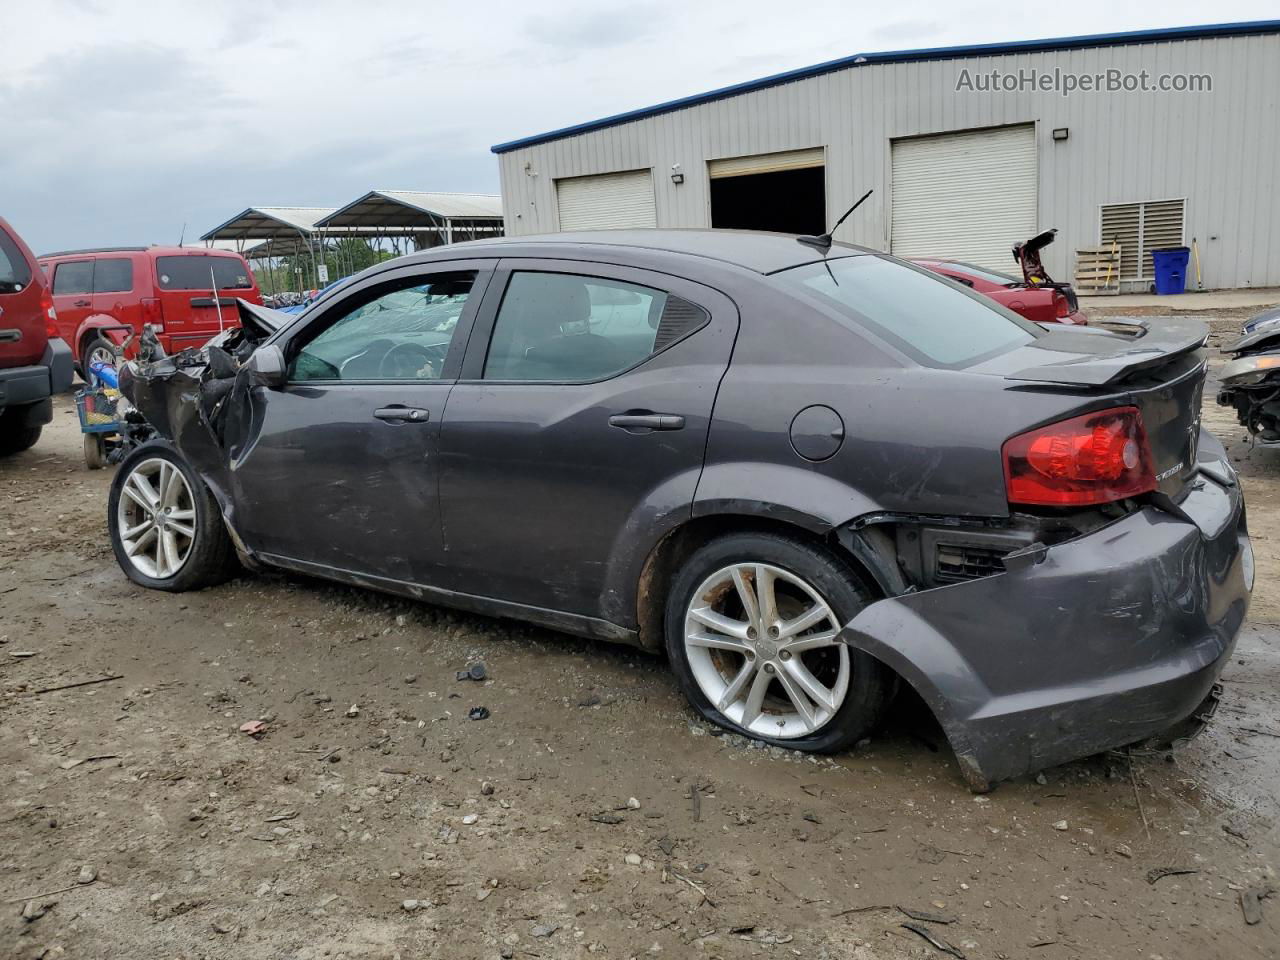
pixel 1060 133
pixel 677 175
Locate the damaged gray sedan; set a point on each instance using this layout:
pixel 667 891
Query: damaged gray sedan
pixel 808 473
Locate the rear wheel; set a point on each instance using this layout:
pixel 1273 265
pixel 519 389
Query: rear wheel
pixel 752 632
pixel 14 438
pixel 166 528
pixel 97 349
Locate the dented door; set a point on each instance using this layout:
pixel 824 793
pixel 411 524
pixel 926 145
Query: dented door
pixel 341 470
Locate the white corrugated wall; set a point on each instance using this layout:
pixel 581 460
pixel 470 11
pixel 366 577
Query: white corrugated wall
pixel 964 196
pixel 1217 149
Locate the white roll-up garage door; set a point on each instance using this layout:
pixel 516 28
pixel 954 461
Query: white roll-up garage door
pixel 965 196
pixel 766 163
pixel 608 201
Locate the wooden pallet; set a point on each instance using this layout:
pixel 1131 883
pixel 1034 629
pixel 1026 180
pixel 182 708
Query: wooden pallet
pixel 1098 270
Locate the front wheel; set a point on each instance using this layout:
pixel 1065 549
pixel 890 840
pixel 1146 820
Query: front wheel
pixel 166 528
pixel 752 631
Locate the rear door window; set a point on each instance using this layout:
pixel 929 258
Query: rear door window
pixel 73 276
pixel 572 329
pixel 201 273
pixel 113 275
pixel 14 272
pixel 930 320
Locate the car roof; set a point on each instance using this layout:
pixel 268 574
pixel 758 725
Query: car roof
pixel 749 249
pixel 160 251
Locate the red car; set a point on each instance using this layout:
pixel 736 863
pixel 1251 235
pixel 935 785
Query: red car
pixel 1035 296
pixel 170 288
pixel 34 363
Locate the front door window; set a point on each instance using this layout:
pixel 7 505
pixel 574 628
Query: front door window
pixel 401 333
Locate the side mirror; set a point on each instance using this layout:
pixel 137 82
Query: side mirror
pixel 266 367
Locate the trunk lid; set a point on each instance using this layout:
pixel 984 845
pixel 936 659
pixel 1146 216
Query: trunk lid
pixel 1156 366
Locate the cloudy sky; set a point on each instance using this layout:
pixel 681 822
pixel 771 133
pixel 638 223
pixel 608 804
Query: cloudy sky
pixel 124 120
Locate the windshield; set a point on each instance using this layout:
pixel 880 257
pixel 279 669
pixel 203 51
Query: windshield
pixel 193 273
pixel 915 311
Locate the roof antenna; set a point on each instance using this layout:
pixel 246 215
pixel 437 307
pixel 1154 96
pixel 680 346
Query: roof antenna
pixel 182 236
pixel 823 242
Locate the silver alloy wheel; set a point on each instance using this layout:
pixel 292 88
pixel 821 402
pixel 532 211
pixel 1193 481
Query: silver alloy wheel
pixel 156 518
pixel 101 354
pixel 762 646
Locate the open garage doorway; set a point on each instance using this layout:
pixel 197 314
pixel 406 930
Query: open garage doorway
pixel 783 192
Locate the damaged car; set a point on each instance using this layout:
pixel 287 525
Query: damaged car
pixel 1251 379
pixel 807 473
pixel 1037 296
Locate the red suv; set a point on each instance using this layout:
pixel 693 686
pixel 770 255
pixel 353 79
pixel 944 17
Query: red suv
pixel 34 363
pixel 171 288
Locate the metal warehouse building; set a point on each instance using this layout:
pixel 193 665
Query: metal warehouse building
pixel 959 169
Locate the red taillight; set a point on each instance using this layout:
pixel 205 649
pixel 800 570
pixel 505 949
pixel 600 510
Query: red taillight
pixel 50 314
pixel 1095 458
pixel 153 313
pixel 1061 308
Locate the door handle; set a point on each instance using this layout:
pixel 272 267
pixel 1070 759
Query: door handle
pixel 647 421
pixel 81 303
pixel 402 414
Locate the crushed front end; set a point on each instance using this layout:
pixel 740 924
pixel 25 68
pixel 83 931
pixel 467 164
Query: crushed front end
pixel 193 398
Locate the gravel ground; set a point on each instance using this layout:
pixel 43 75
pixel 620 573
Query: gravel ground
pixel 589 814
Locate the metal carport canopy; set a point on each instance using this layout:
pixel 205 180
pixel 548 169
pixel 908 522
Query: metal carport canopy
pixel 269 223
pixel 407 211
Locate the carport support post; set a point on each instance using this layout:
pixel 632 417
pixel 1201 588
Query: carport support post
pixel 271 274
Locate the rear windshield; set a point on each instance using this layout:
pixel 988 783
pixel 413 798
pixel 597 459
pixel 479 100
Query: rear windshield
pixel 925 317
pixel 192 273
pixel 14 272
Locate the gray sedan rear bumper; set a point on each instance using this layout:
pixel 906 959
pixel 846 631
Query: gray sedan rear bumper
pixel 1115 636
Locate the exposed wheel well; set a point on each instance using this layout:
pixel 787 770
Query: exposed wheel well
pixel 671 552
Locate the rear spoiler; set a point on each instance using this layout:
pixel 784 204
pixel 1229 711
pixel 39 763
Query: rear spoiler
pixel 1142 344
pixel 262 320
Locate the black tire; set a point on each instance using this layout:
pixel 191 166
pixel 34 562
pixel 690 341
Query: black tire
pixel 871 684
pixel 15 439
pixel 92 343
pixel 211 558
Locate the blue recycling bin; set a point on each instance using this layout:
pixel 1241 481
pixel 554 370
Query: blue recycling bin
pixel 1171 269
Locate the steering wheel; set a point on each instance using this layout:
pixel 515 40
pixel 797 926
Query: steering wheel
pixel 407 361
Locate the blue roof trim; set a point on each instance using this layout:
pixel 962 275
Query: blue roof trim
pixel 903 56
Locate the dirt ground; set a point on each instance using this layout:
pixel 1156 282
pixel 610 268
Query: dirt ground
pixel 589 814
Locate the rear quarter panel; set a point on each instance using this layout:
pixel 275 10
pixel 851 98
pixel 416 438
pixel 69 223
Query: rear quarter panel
pixel 916 440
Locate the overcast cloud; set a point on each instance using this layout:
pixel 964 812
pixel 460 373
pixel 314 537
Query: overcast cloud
pixel 122 119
